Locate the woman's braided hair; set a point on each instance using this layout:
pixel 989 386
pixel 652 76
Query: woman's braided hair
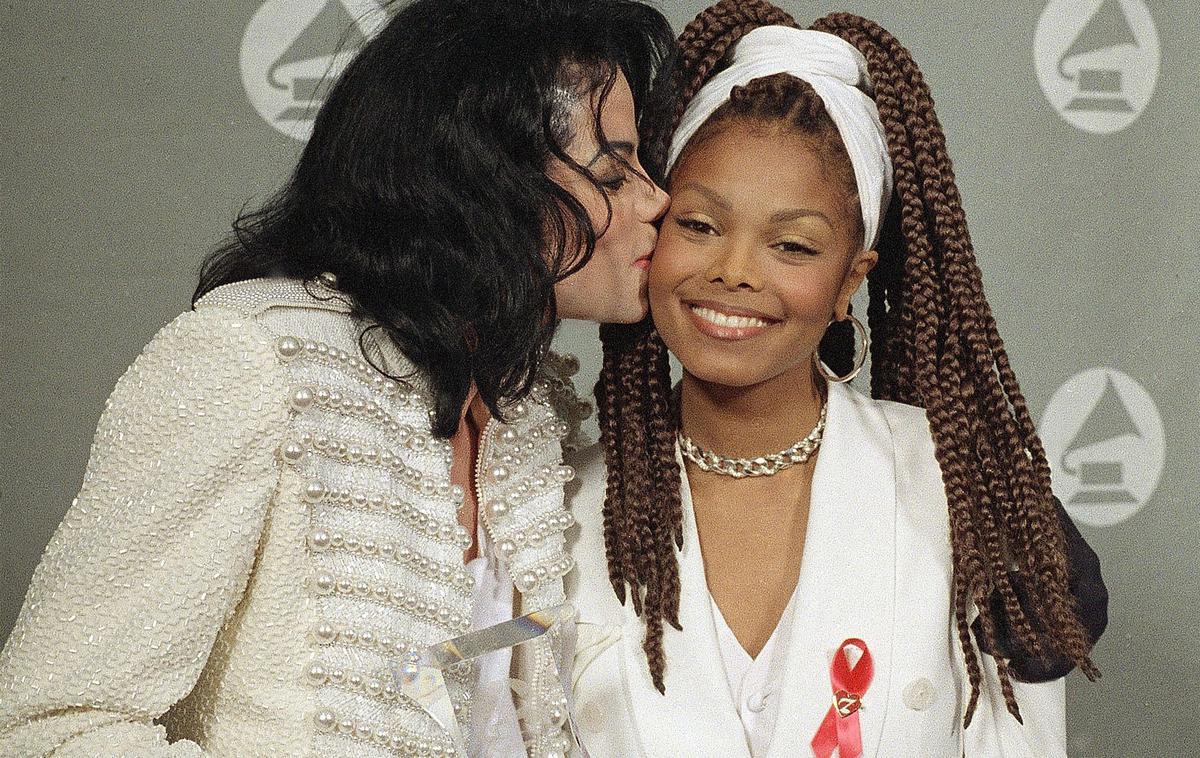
pixel 934 344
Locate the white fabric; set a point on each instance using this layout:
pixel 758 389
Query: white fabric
pixel 836 70
pixel 195 602
pixel 877 566
pixel 493 714
pixel 753 681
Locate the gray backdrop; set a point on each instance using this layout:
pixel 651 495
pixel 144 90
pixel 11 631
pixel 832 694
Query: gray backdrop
pixel 130 141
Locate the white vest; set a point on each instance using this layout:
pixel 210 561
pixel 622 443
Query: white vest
pixel 877 566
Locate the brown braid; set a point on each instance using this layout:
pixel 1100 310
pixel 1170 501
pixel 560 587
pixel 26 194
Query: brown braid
pixel 934 345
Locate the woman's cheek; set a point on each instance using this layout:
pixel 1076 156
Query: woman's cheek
pixel 663 276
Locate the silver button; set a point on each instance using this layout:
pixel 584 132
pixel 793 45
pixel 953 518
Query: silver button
pixel 757 702
pixel 919 694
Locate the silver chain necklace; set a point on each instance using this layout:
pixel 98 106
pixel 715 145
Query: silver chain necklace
pixel 766 465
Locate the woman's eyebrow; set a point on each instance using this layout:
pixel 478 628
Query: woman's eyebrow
pixel 708 194
pixel 791 214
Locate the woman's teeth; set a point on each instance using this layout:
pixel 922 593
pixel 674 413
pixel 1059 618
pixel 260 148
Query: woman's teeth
pixel 721 319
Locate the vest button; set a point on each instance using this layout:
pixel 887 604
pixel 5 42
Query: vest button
pixel 919 694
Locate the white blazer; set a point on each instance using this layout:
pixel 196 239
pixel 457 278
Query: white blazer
pixel 877 566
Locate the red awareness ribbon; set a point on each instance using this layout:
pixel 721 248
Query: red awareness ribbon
pixel 840 728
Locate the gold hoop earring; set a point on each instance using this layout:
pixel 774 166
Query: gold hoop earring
pixel 860 359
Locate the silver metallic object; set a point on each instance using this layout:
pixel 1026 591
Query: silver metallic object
pixel 420 675
pixel 766 465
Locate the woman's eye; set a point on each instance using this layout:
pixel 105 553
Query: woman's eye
pixel 695 225
pixel 795 248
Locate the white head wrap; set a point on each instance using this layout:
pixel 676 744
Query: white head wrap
pixel 835 69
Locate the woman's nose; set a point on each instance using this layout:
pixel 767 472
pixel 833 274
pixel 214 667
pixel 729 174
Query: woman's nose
pixel 734 268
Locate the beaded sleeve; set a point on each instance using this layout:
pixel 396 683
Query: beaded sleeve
pixel 154 554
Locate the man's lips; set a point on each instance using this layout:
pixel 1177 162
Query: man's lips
pixel 643 262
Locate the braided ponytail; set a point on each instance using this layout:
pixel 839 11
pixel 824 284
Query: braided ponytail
pixel 935 345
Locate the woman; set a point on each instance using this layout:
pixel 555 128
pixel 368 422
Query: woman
pixel 282 494
pixel 736 601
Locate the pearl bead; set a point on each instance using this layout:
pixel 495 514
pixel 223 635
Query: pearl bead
pixel 325 720
pixel 497 508
pixel 318 539
pixel 325 632
pixel 506 548
pixel 292 451
pixel 287 347
pixel 316 674
pixel 314 491
pixel 324 583
pixel 301 398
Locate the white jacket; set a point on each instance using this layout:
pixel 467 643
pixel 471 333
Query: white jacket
pixel 264 524
pixel 877 566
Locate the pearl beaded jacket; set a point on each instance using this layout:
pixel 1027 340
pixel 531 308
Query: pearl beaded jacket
pixel 264 524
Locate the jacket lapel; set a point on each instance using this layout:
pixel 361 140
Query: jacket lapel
pixel 697 711
pixel 847 579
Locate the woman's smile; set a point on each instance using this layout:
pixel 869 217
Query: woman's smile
pixel 726 322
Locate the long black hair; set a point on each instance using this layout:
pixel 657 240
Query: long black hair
pixel 423 185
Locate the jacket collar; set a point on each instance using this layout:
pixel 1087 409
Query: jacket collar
pixel 846 589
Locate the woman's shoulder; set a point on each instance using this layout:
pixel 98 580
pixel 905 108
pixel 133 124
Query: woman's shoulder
pixel 908 425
